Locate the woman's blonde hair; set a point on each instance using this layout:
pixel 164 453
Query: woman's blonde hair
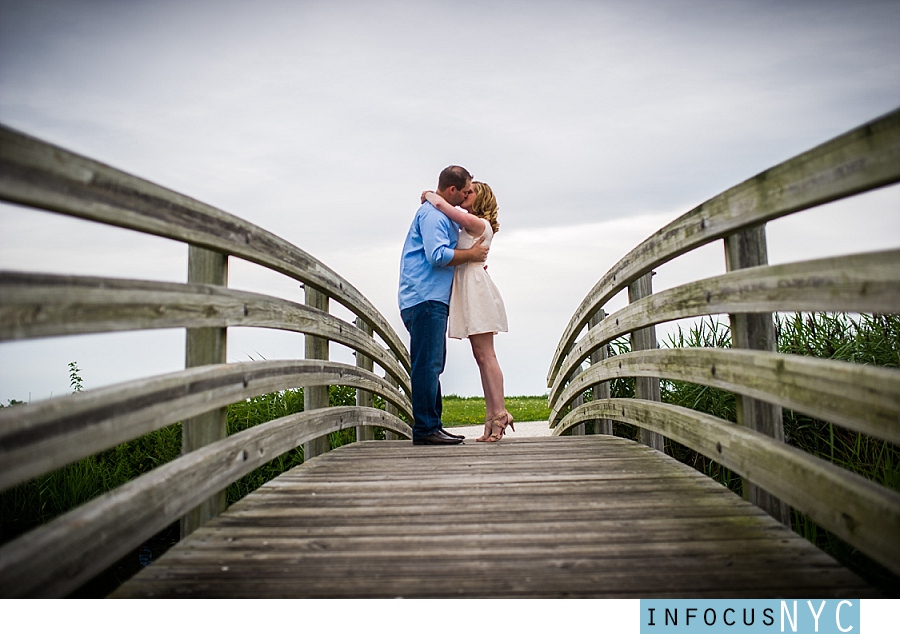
pixel 485 205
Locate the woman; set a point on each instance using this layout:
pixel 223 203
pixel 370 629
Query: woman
pixel 476 308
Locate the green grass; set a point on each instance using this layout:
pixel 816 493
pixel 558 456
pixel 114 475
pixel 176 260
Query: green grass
pixel 470 410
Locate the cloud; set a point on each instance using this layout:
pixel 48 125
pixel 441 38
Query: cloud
pixel 322 122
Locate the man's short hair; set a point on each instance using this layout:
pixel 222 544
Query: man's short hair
pixel 454 176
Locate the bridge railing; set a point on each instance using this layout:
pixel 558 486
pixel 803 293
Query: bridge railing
pixel 37 438
pixel 862 398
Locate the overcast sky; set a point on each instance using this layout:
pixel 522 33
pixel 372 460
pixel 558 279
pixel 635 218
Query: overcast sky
pixel 594 122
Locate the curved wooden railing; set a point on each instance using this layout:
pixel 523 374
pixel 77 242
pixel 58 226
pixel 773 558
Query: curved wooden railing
pixel 862 398
pixel 37 438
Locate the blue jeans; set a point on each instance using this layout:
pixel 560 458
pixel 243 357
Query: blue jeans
pixel 427 326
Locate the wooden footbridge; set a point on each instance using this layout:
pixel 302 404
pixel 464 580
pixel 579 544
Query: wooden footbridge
pixel 564 516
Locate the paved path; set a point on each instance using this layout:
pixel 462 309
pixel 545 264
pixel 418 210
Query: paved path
pixel 524 429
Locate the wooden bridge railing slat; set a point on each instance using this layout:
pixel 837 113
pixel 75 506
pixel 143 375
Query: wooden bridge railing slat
pixel 42 305
pixel 38 174
pixel 50 434
pixel 863 398
pixel 87 540
pixel 864 283
pixel 859 160
pixel 861 512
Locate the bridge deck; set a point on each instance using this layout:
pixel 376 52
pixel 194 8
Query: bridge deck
pixel 589 516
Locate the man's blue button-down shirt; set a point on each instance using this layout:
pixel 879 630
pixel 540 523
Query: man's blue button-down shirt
pixel 424 274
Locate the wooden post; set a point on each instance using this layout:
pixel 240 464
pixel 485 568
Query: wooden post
pixel 391 409
pixel 601 391
pixel 316 397
pixel 363 397
pixel 646 388
pixel 755 331
pixel 204 346
pixel 578 430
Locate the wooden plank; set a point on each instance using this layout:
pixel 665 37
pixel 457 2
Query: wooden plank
pixel 205 346
pixel 42 305
pixel 313 533
pixel 38 174
pixel 857 510
pixel 859 397
pixel 645 388
pixel 46 435
pixel 864 158
pixel 755 331
pixel 58 557
pixel 856 283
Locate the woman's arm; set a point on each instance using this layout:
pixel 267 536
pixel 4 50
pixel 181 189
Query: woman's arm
pixel 472 224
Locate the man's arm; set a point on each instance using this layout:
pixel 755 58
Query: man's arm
pixel 476 253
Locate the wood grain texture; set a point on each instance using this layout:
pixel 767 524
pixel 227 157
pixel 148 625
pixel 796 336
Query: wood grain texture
pixel 857 510
pixel 601 389
pixel 316 397
pixel 39 437
pixel 205 346
pixel 587 516
pixel 58 557
pixel 864 158
pixel 43 305
pixel 857 283
pixel 755 331
pixel 363 398
pixel 38 174
pixel 645 387
pixel 860 397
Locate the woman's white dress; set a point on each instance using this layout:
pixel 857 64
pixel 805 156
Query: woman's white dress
pixel 475 303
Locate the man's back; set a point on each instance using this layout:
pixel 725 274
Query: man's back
pixel 428 249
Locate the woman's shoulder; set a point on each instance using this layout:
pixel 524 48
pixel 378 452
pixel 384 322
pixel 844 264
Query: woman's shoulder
pixel 487 232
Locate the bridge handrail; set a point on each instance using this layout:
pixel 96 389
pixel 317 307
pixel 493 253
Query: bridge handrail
pixel 37 174
pixel 60 556
pixel 867 282
pixel 53 433
pixel 74 305
pixel 859 511
pixel 862 159
pixel 861 398
pixel 37 438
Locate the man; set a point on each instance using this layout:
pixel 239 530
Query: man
pixel 426 275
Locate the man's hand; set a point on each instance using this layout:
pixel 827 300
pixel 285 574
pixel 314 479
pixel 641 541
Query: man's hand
pixel 479 251
pixel 476 253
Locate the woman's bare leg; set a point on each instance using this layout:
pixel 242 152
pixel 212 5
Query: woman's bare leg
pixel 491 374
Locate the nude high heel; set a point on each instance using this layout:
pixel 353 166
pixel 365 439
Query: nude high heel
pixel 499 424
pixel 487 431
